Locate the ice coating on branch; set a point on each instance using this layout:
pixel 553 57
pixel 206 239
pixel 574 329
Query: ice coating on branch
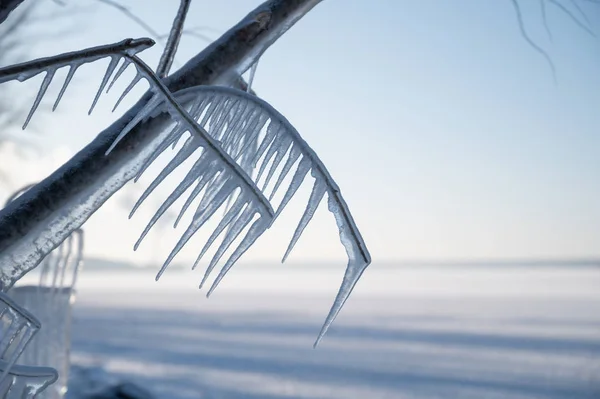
pixel 72 60
pixel 38 98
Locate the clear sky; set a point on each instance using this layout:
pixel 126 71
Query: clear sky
pixel 443 127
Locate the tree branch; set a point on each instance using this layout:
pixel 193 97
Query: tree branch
pixel 38 221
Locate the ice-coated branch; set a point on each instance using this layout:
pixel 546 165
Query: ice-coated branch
pixel 29 69
pixel 168 55
pixel 73 60
pixel 39 220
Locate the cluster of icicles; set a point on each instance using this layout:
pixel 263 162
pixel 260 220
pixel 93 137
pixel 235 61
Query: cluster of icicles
pixel 242 151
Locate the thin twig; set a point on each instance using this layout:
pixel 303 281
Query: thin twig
pixel 545 19
pixel 131 15
pixel 574 18
pixel 168 55
pixel 528 39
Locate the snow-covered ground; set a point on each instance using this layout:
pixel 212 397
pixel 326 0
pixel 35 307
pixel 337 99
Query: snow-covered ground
pixel 405 333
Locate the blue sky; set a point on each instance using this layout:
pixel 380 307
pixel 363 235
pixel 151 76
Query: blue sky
pixel 443 127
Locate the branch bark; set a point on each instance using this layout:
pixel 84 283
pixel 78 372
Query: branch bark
pixel 39 220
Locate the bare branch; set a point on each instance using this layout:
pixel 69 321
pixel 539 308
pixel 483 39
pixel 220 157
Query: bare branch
pixel 573 17
pixel 168 55
pixel 528 39
pixel 545 19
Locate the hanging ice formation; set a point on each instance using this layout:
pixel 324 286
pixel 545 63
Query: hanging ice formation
pixel 231 133
pixel 255 135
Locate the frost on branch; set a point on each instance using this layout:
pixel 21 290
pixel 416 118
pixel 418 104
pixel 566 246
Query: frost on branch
pixel 260 140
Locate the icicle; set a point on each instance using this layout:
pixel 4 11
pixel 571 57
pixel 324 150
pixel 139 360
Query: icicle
pixel 316 196
pixel 213 189
pixel 238 115
pixel 70 74
pixel 41 92
pixel 234 211
pixel 244 116
pixel 198 221
pixel 120 71
pixel 303 168
pixel 220 119
pixel 198 106
pixel 206 177
pixel 252 73
pixel 272 132
pixel 284 146
pixel 184 153
pixel 232 234
pixel 255 231
pixel 179 190
pixel 173 136
pixel 251 132
pixel 250 138
pixel 129 87
pixel 292 158
pixel 114 61
pixel 148 108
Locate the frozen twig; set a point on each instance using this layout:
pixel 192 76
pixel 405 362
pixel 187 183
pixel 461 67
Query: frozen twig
pixel 168 55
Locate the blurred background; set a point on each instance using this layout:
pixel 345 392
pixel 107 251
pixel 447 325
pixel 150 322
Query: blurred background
pixel 470 161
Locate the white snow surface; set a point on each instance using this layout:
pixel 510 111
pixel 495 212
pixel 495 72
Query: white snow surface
pixel 418 332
